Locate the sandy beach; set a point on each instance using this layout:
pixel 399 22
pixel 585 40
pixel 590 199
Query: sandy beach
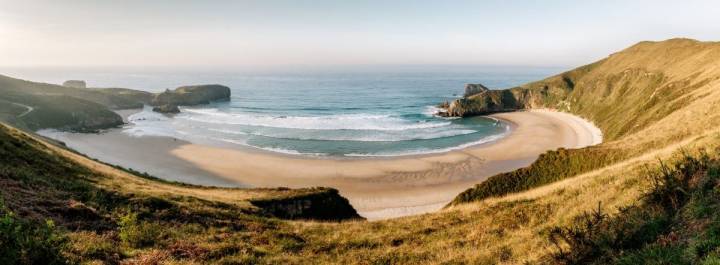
pixel 378 188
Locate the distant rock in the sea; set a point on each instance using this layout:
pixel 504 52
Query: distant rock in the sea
pixel 75 84
pixel 192 95
pixel 474 89
pixel 167 108
pixel 479 100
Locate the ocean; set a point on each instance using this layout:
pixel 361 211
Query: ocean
pixel 343 112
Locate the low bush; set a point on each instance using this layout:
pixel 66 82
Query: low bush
pixel 28 242
pixel 676 222
pixel 138 234
pixel 548 168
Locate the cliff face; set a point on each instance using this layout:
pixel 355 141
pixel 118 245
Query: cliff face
pixel 474 89
pixel 319 204
pixel 492 101
pixel 192 95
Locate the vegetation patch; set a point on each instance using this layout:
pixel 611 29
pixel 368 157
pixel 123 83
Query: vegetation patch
pixel 677 222
pixel 548 168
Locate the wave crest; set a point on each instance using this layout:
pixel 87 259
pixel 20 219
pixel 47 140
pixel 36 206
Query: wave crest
pixel 377 122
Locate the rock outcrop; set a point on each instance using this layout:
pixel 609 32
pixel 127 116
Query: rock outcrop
pixel 167 108
pixel 314 204
pixel 491 101
pixel 192 95
pixel 474 89
pixel 75 84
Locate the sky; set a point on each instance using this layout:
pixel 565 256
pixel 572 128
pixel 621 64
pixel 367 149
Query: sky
pixel 331 33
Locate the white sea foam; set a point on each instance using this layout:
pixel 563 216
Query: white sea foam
pixel 372 136
pixel 434 151
pixel 329 122
pixel 149 123
pixel 431 111
pixel 139 131
pixel 272 149
pixel 238 128
pixel 228 131
pixel 147 115
pixel 288 151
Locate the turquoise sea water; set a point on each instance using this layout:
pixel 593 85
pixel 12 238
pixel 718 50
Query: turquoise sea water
pixel 332 112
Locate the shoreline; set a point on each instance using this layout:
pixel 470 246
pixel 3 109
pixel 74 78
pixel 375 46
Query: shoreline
pixel 378 187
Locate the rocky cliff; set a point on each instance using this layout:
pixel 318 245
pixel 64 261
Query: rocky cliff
pixel 479 100
pixel 474 89
pixel 192 95
pixel 491 101
pixel 317 204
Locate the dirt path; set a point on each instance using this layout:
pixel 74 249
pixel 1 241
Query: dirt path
pixel 29 109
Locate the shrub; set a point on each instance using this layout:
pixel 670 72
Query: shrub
pixel 137 234
pixel 548 168
pixel 28 242
pixel 663 228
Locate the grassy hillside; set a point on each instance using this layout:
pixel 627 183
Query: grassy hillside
pixel 34 106
pixel 650 95
pixel 676 222
pixel 113 98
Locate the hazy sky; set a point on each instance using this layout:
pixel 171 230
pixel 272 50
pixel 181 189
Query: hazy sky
pixel 276 33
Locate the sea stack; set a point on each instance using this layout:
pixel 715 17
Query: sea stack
pixel 75 84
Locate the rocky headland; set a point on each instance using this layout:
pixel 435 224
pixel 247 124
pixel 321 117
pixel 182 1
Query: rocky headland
pixel 168 101
pixel 74 107
pixel 192 95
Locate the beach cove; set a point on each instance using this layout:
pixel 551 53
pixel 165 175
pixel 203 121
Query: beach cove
pixel 378 187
